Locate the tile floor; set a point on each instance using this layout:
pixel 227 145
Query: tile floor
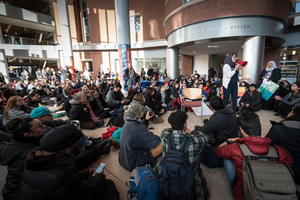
pixel 216 178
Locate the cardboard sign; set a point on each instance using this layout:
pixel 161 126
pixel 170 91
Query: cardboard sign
pixel 241 91
pixel 267 89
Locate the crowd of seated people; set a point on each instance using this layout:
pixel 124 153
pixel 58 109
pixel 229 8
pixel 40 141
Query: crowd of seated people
pixel 32 134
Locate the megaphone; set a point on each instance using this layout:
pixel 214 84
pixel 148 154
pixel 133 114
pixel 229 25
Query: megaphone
pixel 243 63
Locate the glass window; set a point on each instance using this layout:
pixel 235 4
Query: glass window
pixel 297 7
pixel 185 1
pixel 137 24
pixel 85 21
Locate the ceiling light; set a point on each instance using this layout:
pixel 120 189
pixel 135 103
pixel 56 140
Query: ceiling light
pixel 44 64
pixel 14 21
pixel 294 52
pixel 209 46
pixel 41 35
pixel 284 58
pixel 194 51
pixel 242 46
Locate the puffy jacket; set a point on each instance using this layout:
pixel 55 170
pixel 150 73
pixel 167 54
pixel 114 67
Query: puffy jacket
pixel 79 112
pixel 24 112
pixel 54 176
pixel 31 103
pixel 135 144
pixel 253 100
pixel 258 146
pixel 292 99
pixel 221 125
pixel 286 134
pixel 275 77
pixel 13 155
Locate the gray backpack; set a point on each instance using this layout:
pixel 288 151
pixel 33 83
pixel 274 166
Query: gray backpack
pixel 264 177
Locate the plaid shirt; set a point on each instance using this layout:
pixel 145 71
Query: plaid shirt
pixel 197 141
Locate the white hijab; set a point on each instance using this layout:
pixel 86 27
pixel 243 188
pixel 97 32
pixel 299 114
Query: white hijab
pixel 274 66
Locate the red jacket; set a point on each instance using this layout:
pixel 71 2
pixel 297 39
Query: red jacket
pixel 258 146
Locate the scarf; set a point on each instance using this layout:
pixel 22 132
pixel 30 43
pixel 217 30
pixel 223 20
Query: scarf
pixel 228 61
pixel 93 116
pixel 274 66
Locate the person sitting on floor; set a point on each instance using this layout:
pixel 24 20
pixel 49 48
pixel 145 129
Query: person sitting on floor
pixel 250 127
pixel 15 108
pixel 50 171
pixel 67 105
pixel 163 98
pixel 115 97
pixel 82 111
pixel 220 126
pixel 290 101
pixel 286 135
pixel 251 100
pixel 33 100
pixel 151 102
pixel 138 146
pixel 198 140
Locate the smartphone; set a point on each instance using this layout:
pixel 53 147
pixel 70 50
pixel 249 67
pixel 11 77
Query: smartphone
pixel 151 128
pixel 99 169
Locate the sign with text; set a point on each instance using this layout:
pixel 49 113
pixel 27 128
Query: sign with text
pixel 267 89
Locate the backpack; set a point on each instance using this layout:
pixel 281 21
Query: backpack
pixel 176 174
pixel 143 184
pixel 264 177
pixel 117 120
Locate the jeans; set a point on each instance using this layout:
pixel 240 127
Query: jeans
pixel 131 81
pixel 230 172
pixel 284 108
pixel 233 90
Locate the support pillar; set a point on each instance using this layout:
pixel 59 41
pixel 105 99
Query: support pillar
pixel 66 36
pixel 4 65
pixel 123 36
pixel 253 52
pixel 172 63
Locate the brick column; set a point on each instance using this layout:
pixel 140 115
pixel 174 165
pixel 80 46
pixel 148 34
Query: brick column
pixel 187 65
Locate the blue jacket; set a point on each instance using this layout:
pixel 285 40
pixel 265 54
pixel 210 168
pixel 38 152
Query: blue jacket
pixel 135 144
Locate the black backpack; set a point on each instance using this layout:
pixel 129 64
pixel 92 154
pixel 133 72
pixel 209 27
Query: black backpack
pixel 117 120
pixel 176 174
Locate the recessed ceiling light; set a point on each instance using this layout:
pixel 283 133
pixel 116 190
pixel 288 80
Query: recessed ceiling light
pixel 14 21
pixel 242 46
pixel 209 46
pixel 194 51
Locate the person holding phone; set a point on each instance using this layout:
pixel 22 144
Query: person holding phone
pixel 50 171
pixel 231 80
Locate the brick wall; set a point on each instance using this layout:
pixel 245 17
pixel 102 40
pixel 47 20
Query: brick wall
pixel 187 65
pixel 271 54
pixel 224 8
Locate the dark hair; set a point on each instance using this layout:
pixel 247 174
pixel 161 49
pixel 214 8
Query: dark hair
pixel 149 90
pixel 177 120
pixel 216 103
pixel 296 83
pixel 32 94
pixel 18 127
pixel 118 85
pixel 250 123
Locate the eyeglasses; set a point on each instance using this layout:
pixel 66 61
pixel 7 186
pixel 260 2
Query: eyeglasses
pixel 40 126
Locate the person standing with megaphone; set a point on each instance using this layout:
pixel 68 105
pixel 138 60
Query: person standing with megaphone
pixel 231 79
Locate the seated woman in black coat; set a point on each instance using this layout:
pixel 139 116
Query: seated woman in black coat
pixel 251 100
pixel 67 105
pixel 99 106
pixel 50 171
pixel 81 110
pixel 286 135
pixel 33 100
pixel 151 103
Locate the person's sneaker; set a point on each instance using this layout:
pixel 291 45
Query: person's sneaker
pixel 157 120
pixel 114 143
pixel 91 138
pixel 197 128
pixel 278 114
pixel 104 147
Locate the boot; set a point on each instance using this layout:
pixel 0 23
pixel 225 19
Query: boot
pixel 157 120
pixel 104 147
pixel 114 143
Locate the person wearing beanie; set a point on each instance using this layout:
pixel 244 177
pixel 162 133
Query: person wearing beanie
pixel 250 101
pixel 138 146
pixel 67 105
pixel 50 171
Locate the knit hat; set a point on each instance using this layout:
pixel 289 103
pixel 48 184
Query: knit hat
pixel 74 91
pixel 133 110
pixel 39 112
pixel 60 138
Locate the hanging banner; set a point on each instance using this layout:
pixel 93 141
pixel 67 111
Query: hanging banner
pixel 124 60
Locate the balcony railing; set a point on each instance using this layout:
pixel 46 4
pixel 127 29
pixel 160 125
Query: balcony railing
pixel 25 41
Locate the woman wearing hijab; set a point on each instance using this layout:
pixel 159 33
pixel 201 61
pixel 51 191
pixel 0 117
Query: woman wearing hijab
pixel 271 73
pixel 231 80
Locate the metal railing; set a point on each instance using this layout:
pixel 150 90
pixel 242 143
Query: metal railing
pixel 9 39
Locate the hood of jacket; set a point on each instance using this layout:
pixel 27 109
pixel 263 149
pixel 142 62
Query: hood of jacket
pixel 39 160
pixel 292 124
pixel 225 110
pixel 74 102
pixel 11 150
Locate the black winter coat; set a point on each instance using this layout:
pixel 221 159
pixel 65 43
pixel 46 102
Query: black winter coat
pixel 287 135
pixel 95 106
pixel 254 101
pixel 53 176
pixel 31 103
pixel 174 92
pixel 275 77
pixel 67 105
pixel 167 97
pixel 79 112
pixel 152 104
pixel 13 155
pixel 221 125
